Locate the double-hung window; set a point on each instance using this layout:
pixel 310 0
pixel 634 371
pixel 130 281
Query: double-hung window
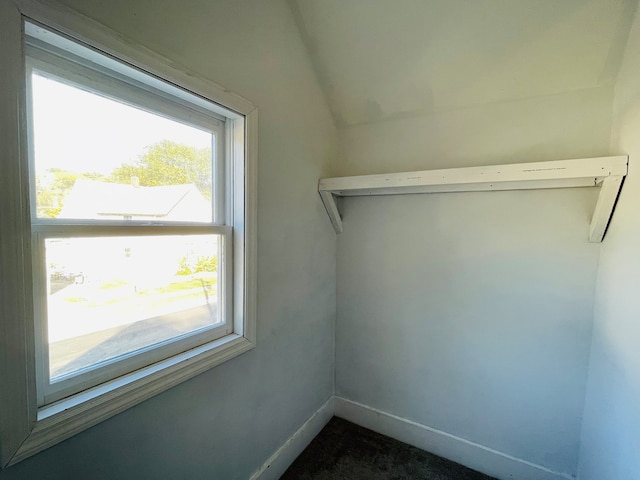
pixel 142 231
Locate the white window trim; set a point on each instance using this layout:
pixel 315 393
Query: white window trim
pixel 24 429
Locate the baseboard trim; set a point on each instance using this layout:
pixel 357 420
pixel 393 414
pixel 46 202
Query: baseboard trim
pixel 278 463
pixel 473 455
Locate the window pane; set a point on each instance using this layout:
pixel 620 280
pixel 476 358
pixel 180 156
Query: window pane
pixel 110 296
pixel 97 158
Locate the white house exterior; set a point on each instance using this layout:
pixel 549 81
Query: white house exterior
pixel 96 200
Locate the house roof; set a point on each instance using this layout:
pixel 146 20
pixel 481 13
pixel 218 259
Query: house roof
pixel 95 199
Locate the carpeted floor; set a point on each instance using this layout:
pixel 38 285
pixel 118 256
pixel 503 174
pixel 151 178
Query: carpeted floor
pixel 344 451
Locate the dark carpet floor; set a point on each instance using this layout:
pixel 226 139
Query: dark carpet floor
pixel 344 451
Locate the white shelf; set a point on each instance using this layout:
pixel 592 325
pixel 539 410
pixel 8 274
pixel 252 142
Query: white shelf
pixel 606 173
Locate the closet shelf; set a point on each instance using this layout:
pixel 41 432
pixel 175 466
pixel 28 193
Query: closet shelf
pixel 605 173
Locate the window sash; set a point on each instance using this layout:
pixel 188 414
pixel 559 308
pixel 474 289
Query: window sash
pixel 48 391
pixel 113 85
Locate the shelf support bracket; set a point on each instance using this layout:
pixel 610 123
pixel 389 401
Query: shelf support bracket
pixel 609 191
pixel 331 204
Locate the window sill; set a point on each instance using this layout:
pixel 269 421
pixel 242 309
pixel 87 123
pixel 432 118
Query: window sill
pixel 65 418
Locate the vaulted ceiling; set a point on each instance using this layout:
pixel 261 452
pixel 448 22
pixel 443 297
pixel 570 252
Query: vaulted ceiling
pixel 380 59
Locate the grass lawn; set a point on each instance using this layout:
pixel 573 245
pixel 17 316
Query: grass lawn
pixel 115 292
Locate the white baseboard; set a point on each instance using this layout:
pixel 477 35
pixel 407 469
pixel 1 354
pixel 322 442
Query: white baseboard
pixel 465 452
pixel 278 463
pixel 473 455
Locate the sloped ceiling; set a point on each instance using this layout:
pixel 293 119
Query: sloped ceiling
pixel 381 59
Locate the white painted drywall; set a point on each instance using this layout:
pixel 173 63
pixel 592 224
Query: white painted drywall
pixel 472 313
pixel 557 127
pixel 225 423
pixel 611 430
pixel 379 59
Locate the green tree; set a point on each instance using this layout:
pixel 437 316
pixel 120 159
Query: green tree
pixel 169 163
pixel 189 265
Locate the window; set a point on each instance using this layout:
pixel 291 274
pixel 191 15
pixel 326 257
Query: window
pixel 130 229
pixel 141 231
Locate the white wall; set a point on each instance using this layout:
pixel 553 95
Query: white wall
pixel 225 423
pixel 572 125
pixel 472 313
pixel 611 431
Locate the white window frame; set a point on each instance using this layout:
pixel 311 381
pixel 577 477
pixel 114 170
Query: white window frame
pixel 48 55
pixel 25 428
